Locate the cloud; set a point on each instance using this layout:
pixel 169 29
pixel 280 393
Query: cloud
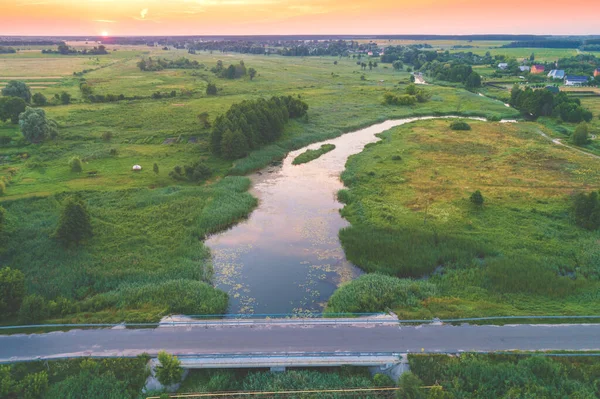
pixel 107 21
pixel 143 13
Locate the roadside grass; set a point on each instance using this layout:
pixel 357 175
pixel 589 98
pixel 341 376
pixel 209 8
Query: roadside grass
pixel 519 254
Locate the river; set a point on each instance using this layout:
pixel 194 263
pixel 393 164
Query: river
pixel 286 257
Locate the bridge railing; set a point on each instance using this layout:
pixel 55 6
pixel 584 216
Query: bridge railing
pixel 349 319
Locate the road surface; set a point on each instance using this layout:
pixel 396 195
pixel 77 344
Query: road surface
pixel 310 338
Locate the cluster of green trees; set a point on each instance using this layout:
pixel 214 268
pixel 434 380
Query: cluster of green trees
pixel 586 210
pixel 233 71
pixel 460 125
pixel 196 172
pixel 251 124
pixel 544 103
pixel 34 124
pixel 64 49
pixel 412 95
pixel 119 378
pixel 159 64
pixel 453 72
pixel 7 50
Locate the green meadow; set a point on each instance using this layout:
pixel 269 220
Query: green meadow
pixel 147 258
pixel 407 200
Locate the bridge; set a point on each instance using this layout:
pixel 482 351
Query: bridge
pixel 279 343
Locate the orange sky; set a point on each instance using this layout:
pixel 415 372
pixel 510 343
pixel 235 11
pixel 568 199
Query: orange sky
pixel 240 17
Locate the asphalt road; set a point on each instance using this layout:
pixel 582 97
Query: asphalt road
pixel 286 339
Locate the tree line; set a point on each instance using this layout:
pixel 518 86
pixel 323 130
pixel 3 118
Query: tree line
pixel 251 124
pixel 158 64
pixel 544 103
pixel 64 49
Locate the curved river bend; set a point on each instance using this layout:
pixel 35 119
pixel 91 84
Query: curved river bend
pixel 286 257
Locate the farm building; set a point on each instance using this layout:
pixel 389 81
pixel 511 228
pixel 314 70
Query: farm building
pixel 502 65
pixel 573 80
pixel 597 72
pixel 537 69
pixel 557 74
pixel 524 68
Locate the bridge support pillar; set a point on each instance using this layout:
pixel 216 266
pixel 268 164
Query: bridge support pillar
pixel 278 369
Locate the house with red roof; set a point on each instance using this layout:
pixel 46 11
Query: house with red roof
pixel 537 69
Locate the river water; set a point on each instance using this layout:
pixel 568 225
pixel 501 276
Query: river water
pixel 286 257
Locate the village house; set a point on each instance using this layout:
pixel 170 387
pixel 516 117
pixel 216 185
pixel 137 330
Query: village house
pixel 524 68
pixel 502 65
pixel 535 69
pixel 597 72
pixel 557 74
pixel 573 80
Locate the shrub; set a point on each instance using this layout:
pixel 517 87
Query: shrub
pixel 5 140
pixel 376 293
pixel 39 99
pixel 12 291
pixel 410 387
pixel 155 168
pixel 403 99
pixel 460 125
pixel 211 89
pixel 2 187
pixel 76 165
pixel 580 136
pixel 33 309
pixel 194 173
pixel 113 152
pixel 169 371
pixel 477 198
pixel 107 136
pixel 74 225
pixel 65 98
pixel 382 380
pixel 2 216
pixel 586 210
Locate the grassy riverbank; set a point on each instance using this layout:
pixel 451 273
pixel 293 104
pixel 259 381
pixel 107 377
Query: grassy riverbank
pixel 519 254
pixel 148 227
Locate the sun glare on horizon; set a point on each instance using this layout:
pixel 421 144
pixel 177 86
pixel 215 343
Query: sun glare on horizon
pixel 104 34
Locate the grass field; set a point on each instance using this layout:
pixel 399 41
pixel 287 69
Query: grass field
pixel 149 227
pixel 407 200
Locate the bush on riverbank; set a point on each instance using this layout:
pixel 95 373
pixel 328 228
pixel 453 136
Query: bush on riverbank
pixel 373 293
pixel 311 155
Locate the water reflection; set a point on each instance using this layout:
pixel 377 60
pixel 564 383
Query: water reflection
pixel 286 258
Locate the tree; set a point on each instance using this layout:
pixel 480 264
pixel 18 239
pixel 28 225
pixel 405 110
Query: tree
pixel 39 99
pixel 155 168
pixel 65 98
pixel 532 57
pixel 203 119
pixel 169 371
pixel 580 136
pixel 16 88
pixel 35 126
pixel 11 108
pixel 473 81
pixel 74 225
pixel 252 73
pixel 477 198
pixel 211 89
pixel 12 291
pixel 234 145
pixel 410 387
pixel 398 65
pixel 370 65
pixel 76 165
pixel 33 309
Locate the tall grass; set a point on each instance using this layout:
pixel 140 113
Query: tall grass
pixel 310 155
pixel 375 292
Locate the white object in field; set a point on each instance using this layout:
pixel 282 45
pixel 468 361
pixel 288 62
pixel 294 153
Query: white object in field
pixel 137 168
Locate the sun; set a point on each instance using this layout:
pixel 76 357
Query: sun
pixel 104 34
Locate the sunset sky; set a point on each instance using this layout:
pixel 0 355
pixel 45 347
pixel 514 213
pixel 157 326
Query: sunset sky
pixel 237 17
